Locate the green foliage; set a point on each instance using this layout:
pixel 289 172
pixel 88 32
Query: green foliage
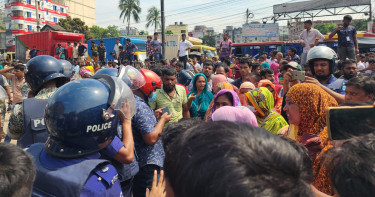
pixel 326 28
pixel 209 41
pixel 129 8
pixel 153 18
pixel 142 32
pixel 360 25
pixel 76 25
pixel 169 32
pixel 100 32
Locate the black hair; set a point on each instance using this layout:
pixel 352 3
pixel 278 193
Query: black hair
pixel 128 39
pixel 17 171
pixel 362 56
pixel 346 62
pixel 226 69
pixel 348 17
pixel 292 49
pixel 92 41
pixel 163 62
pixel 245 60
pixel 183 35
pixel 157 69
pixel 308 21
pixel 208 63
pixel 266 71
pixel 121 47
pixel 180 64
pixel 262 57
pixel 265 53
pixel 371 61
pixel 169 71
pixel 149 37
pixel 230 157
pixel 173 60
pixel 156 33
pixel 147 60
pixel 364 83
pixel 351 166
pixel 255 66
pixel 228 95
pixel 274 52
pixel 256 76
pixel 19 67
pixel 102 41
pixel 227 61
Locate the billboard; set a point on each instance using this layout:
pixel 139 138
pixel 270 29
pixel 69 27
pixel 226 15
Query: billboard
pixel 260 30
pixel 316 5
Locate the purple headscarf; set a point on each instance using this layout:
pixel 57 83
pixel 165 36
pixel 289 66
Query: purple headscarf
pixel 236 100
pixel 235 114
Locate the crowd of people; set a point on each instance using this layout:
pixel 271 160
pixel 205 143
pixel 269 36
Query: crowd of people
pixel 230 126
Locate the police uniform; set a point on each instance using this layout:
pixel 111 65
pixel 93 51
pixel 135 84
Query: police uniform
pixel 84 176
pixel 4 83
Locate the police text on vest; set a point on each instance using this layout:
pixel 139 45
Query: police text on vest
pixel 38 122
pixel 99 127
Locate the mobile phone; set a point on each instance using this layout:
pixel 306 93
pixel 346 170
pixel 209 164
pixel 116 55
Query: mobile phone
pixel 298 75
pixel 165 110
pixel 346 122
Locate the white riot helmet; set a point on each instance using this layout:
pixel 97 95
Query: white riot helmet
pixel 321 52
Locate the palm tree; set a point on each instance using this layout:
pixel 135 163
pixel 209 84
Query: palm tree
pixel 153 18
pixel 129 8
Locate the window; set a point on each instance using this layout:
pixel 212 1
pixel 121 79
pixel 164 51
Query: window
pixel 20 26
pixel 62 10
pixel 29 27
pixel 55 19
pixel 54 8
pixel 47 12
pixel 28 1
pixel 28 14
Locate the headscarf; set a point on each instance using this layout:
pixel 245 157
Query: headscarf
pixel 85 71
pixel 242 96
pixel 262 100
pixel 313 103
pixel 202 101
pixel 218 79
pixel 277 100
pixel 235 102
pixel 235 114
pixel 222 86
pixel 275 68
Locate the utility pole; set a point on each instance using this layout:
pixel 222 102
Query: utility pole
pixel 162 27
pixel 37 15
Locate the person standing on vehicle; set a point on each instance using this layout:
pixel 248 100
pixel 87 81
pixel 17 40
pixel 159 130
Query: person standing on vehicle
pixel 116 48
pixel 69 48
pixel 225 48
pixel 94 52
pixel 102 52
pixel 60 52
pixel 149 51
pixel 33 52
pixel 308 39
pixel 347 39
pixel 82 49
pixel 75 51
pixel 156 47
pixel 130 49
pixel 183 49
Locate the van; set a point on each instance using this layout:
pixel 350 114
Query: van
pixel 203 49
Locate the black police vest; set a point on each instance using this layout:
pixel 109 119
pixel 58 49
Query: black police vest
pixel 34 128
pixel 66 181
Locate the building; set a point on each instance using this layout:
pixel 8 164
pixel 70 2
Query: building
pixel 20 17
pixel 83 9
pixel 259 32
pixel 178 28
pixel 283 32
pixel 132 31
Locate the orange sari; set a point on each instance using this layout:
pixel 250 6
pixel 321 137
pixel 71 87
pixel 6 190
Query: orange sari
pixel 278 100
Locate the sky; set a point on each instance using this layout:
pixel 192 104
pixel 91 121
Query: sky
pixel 212 13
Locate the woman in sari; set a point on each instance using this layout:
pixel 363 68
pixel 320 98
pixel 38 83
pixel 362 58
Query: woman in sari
pixel 235 114
pixel 261 102
pixel 245 87
pixel 271 87
pixel 215 90
pixel 306 106
pixel 199 98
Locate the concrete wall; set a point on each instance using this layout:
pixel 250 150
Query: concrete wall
pixel 83 9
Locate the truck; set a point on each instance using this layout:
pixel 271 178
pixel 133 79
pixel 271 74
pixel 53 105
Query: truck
pixel 109 44
pixel 46 42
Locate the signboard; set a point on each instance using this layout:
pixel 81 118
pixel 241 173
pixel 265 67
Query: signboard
pixel 260 30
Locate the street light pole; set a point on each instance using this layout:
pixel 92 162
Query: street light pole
pixel 162 27
pixel 37 15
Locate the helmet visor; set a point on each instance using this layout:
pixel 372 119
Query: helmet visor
pixel 132 77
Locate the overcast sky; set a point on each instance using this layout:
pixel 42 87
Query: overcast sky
pixel 212 13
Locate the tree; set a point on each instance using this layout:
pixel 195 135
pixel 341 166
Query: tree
pixel 143 32
pixel 129 8
pixel 326 28
pixel 360 25
pixel 209 40
pixel 153 18
pixel 100 32
pixel 169 32
pixel 76 25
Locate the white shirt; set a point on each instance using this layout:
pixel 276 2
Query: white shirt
pixel 183 46
pixel 271 61
pixel 189 67
pixel 309 37
pixel 75 51
pixel 367 71
pixel 360 65
pixel 117 50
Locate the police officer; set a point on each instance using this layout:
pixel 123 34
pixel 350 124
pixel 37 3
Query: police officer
pixel 68 68
pixel 146 132
pixel 81 118
pixel 126 171
pixel 4 83
pixel 322 62
pixel 44 75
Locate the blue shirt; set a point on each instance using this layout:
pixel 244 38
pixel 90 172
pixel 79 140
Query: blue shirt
pixel 33 53
pixel 331 80
pixel 143 122
pixel 92 187
pixel 346 35
pixel 183 78
pixel 130 48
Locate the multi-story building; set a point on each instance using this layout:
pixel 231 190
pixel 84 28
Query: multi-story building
pixel 178 28
pixel 83 9
pixel 132 31
pixel 20 17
